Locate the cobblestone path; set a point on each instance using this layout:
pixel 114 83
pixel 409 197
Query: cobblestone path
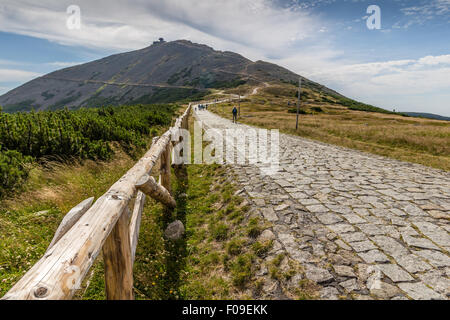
pixel 361 226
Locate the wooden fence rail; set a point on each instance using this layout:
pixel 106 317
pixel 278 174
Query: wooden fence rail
pixel 108 225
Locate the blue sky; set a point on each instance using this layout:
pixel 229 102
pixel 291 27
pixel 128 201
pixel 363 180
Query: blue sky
pixel 404 65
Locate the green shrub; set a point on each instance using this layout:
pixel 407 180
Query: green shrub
pixel 317 109
pixel 13 170
pixel 81 134
pixel 294 110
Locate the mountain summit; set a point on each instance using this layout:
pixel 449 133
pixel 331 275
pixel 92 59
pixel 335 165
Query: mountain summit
pixel 164 70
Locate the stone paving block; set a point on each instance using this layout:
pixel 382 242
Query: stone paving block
pixel 299 195
pixel 418 242
pixel 412 263
pixel 269 214
pixel 390 246
pixel 329 293
pixel 316 208
pixel 282 207
pixel 353 218
pixel 395 195
pixel 373 256
pixel 362 212
pixel 363 246
pixel 419 291
pixel 414 210
pixel 318 275
pixel 391 231
pixel 399 222
pixel 309 202
pixel 266 235
pixel 435 258
pixel 434 232
pixel 398 212
pixel 318 250
pixel 350 285
pixel 342 244
pixel 395 273
pixel 370 229
pixel 437 280
pixel 259 202
pixel 344 271
pixel 341 228
pixel 439 214
pixel 384 291
pixel 328 218
pixel 353 237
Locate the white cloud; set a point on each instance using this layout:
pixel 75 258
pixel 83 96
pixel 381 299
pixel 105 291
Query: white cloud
pixel 13 75
pixel 399 76
pixel 433 60
pixel 60 64
pixel 135 24
pixel 5 90
pixel 420 14
pixel 399 80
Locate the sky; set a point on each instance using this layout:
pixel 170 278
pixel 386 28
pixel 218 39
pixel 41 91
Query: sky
pixel 403 63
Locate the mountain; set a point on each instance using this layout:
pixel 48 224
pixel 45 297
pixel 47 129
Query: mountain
pixel 162 72
pixel 427 115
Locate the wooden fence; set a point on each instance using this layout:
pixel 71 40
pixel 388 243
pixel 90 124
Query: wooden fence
pixel 109 225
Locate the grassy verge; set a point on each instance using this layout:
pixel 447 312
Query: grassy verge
pixel 219 264
pixel 215 260
pixel 215 243
pixel 422 141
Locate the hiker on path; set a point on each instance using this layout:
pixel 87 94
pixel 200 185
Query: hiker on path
pixel 235 112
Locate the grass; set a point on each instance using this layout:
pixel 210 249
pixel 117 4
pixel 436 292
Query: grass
pixel 241 269
pixel 261 249
pixel 28 220
pixel 417 140
pixel 208 263
pixel 216 259
pixel 217 264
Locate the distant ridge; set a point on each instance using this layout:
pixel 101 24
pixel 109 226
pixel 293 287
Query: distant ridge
pixel 427 115
pixel 163 72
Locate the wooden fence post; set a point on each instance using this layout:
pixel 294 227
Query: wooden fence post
pixel 165 168
pixel 118 263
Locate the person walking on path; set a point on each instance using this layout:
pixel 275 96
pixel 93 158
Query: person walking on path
pixel 235 112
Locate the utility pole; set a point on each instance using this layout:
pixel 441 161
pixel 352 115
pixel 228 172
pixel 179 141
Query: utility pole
pixel 298 102
pixel 239 103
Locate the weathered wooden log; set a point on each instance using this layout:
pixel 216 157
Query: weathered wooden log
pixel 148 185
pixel 117 261
pixel 166 168
pixel 70 219
pixel 60 272
pixel 135 223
